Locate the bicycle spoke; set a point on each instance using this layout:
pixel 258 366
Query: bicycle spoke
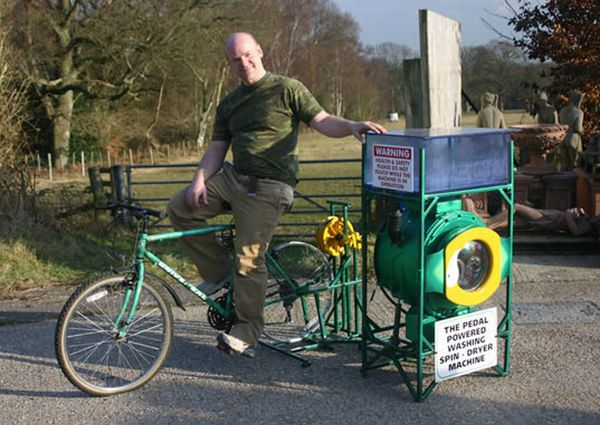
pixel 102 361
pixel 291 312
pixel 93 323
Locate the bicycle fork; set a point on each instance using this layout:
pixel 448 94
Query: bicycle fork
pixel 131 298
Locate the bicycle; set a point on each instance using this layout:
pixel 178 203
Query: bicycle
pixel 115 332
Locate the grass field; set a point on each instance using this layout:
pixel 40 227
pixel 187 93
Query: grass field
pixel 76 248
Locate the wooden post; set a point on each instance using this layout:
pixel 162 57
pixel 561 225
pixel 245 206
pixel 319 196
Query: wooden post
pixel 97 187
pixel 130 157
pixel 83 163
pixel 72 159
pixel 119 192
pixel 50 166
pixel 39 162
pixel 108 158
pixel 151 157
pixel 169 154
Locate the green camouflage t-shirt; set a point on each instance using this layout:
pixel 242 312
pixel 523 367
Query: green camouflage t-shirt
pixel 261 123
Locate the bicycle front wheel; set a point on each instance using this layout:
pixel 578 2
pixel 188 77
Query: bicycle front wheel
pixel 295 307
pixel 94 353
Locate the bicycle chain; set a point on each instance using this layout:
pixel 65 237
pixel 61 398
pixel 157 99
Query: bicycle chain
pixel 216 320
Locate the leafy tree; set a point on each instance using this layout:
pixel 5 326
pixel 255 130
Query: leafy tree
pixel 567 33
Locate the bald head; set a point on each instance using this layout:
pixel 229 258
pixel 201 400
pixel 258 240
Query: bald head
pixel 244 55
pixel 239 37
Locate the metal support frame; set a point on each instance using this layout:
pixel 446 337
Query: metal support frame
pixel 342 323
pixel 380 351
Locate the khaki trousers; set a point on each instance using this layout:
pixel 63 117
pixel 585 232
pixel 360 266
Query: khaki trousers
pixel 256 217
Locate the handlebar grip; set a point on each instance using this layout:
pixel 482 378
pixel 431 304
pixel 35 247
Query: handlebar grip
pixel 137 211
pixel 153 213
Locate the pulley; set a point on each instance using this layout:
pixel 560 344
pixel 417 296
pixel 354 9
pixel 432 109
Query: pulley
pixel 335 234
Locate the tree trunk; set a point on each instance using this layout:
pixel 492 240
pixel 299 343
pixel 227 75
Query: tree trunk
pixel 62 129
pixel 210 98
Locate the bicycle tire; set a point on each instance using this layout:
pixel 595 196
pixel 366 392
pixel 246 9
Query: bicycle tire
pixel 290 318
pixel 88 350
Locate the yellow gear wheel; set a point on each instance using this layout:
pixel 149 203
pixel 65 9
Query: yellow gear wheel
pixel 331 239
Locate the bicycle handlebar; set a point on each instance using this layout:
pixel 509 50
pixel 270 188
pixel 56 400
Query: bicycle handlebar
pixel 138 212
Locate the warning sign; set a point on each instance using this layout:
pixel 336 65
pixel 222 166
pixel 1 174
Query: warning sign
pixel 465 344
pixel 392 167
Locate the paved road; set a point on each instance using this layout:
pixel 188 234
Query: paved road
pixel 554 375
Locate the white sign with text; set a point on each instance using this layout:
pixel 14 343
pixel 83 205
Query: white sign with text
pixel 465 344
pixel 392 167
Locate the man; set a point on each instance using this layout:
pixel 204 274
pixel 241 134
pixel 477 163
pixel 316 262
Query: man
pixel 259 120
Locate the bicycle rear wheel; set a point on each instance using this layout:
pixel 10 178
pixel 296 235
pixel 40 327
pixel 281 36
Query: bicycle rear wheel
pixel 89 349
pixel 293 306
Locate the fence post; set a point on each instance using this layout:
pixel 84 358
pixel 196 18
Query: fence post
pixel 50 166
pixel 119 193
pixel 97 187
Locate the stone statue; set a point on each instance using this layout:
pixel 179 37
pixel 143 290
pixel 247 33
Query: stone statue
pixel 572 220
pixel 591 155
pixel 571 115
pixel 490 116
pixel 546 113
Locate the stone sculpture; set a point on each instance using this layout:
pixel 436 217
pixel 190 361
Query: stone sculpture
pixel 572 220
pixel 591 156
pixel 546 113
pixel 490 116
pixel 571 115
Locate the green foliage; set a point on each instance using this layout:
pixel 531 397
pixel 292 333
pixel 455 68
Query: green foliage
pixel 71 251
pixel 84 142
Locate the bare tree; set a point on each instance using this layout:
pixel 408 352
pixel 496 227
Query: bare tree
pixel 98 49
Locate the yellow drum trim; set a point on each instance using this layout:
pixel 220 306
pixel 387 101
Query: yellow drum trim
pixel 454 292
pixel 330 236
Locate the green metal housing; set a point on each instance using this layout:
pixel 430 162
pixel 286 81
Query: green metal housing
pixel 409 262
pixel 397 254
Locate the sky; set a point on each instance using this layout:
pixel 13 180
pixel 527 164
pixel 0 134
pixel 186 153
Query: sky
pixel 397 21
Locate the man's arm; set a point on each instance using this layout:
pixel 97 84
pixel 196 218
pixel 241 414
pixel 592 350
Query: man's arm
pixel 332 126
pixel 211 162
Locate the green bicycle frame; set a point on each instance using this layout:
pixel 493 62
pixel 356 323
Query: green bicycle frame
pixel 129 306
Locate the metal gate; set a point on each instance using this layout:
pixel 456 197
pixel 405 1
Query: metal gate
pixel 336 179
